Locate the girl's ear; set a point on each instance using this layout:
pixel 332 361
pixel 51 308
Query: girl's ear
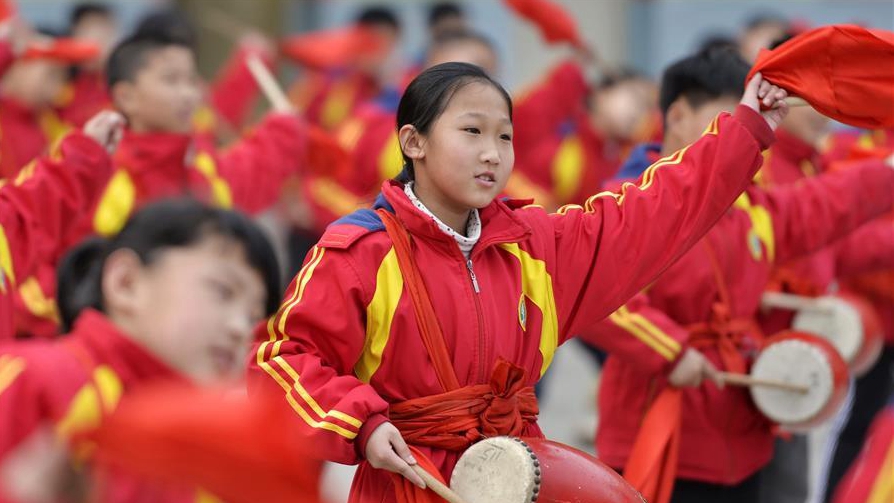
pixel 120 281
pixel 411 142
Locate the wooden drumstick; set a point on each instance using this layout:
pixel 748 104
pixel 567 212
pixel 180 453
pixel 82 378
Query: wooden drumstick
pixel 791 302
pixel 437 486
pixel 746 380
pixel 267 82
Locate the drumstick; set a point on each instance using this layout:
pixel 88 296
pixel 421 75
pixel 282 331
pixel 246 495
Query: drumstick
pixel 437 486
pixel 791 302
pixel 745 380
pixel 267 82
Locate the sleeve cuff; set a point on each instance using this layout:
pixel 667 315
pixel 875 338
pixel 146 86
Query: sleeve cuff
pixel 671 365
pixel 756 125
pixel 366 430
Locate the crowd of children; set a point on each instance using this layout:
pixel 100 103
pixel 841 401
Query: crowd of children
pixel 462 236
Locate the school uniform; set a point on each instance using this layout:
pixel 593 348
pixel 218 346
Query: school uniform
pixel 340 348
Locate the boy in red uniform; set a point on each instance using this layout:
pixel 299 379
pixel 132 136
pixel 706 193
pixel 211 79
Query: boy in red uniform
pixel 507 282
pixel 86 92
pixel 172 298
pixel 31 81
pixel 713 293
pixel 154 83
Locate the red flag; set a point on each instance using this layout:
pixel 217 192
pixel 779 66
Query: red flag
pixel 332 48
pixel 554 22
pixel 652 465
pixel 239 451
pixel 845 72
pixel 65 50
pixel 7 9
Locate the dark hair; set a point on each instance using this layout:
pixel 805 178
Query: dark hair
pixel 442 10
pixel 166 224
pixel 130 55
pixel 705 76
pixel 779 41
pixel 428 95
pixel 168 24
pixel 378 15
pixel 85 9
pixel 716 41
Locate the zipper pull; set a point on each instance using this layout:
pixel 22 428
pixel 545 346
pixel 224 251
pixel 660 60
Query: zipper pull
pixel 472 275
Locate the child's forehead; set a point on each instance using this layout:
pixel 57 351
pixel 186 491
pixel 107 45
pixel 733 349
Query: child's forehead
pixel 168 56
pixel 478 99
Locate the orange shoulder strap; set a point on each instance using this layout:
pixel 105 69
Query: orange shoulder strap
pixel 432 336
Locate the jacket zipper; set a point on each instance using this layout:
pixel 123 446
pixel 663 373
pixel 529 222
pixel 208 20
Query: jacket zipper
pixel 481 346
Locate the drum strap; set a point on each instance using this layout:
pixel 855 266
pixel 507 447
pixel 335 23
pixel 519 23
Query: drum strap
pixel 426 319
pixel 652 465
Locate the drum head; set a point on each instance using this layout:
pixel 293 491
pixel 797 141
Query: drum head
pixel 798 362
pixel 497 470
pixel 835 320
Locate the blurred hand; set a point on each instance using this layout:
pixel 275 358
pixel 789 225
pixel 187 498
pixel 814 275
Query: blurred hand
pixel 386 450
pixel 692 369
pixel 760 92
pixel 39 471
pixel 107 128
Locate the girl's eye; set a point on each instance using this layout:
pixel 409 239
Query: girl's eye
pixel 473 130
pixel 506 137
pixel 225 292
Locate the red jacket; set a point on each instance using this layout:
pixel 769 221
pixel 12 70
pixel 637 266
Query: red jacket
pixel 724 438
pixel 338 350
pixel 560 157
pixel 38 208
pixel 330 98
pixel 83 97
pixel 71 384
pixel 869 478
pixel 868 249
pixel 371 138
pixel 248 176
pixel 25 135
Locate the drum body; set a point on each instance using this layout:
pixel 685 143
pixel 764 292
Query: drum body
pixel 803 359
pixel 512 470
pixel 850 323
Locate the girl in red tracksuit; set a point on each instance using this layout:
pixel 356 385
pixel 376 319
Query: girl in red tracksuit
pixel 430 317
pixel 171 298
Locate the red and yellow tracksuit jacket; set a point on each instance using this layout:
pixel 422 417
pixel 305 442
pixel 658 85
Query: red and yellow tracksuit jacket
pixel 72 384
pixel 83 97
pixel 345 347
pixel 37 209
pixel 148 167
pixel 560 158
pixel 369 135
pixel 869 479
pixel 329 98
pixel 869 248
pixel 712 295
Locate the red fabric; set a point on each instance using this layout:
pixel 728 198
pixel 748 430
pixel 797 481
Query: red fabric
pixel 54 373
pixel 724 438
pixel 853 81
pixel 579 249
pixel 544 118
pixel 554 22
pixel 330 97
pixel 86 96
pixel 869 479
pixel 458 418
pixel 328 49
pixel 234 90
pixel 35 212
pixel 407 492
pixel 7 9
pixel 24 135
pixel 65 50
pixel 182 436
pixel 652 466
